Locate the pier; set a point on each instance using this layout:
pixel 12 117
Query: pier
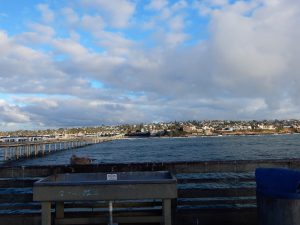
pixel 209 193
pixel 16 151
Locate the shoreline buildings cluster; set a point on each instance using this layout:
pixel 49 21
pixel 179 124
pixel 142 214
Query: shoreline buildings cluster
pixel 168 129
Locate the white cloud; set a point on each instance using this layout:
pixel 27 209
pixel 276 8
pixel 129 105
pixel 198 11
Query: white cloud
pixel 17 53
pixel 179 5
pixel 116 43
pixel 45 103
pixel 42 29
pixel 118 12
pixel 12 114
pixel 248 68
pixel 47 14
pixel 39 34
pixel 168 24
pixel 70 47
pixel 177 23
pixel 72 113
pixel 24 70
pixel 70 15
pixel 253 107
pixel 93 23
pixel 255 47
pixel 173 39
pixel 206 7
pixel 165 14
pixel 157 4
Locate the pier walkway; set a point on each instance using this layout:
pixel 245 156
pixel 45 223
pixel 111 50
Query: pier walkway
pixel 20 150
pixel 209 193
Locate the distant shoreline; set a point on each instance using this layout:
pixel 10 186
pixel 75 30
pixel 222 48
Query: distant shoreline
pixel 213 135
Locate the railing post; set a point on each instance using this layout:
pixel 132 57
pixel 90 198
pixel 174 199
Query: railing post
pixel 19 150
pixel 16 152
pixel 35 150
pixel 5 154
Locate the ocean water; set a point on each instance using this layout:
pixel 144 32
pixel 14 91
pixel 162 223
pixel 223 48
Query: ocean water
pixel 181 149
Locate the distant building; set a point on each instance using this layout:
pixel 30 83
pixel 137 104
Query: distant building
pixel 266 127
pixel 189 128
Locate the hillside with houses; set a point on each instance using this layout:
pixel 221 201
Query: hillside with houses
pixel 162 129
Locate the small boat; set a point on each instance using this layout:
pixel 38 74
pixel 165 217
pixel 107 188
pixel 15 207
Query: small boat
pixel 75 160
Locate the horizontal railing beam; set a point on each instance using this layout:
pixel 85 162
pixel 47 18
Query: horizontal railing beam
pixel 215 180
pixel 236 166
pixel 17 183
pixel 215 192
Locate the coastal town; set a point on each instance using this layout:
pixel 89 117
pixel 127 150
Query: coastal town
pixel 159 129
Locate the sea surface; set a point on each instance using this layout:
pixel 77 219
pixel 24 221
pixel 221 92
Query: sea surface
pixel 181 149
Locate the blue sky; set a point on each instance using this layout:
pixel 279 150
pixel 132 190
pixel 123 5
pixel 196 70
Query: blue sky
pixel 91 62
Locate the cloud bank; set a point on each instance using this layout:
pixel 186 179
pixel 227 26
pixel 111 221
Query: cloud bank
pixel 85 63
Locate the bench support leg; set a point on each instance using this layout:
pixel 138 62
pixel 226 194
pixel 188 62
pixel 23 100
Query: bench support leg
pixel 59 210
pixel 167 211
pixel 46 213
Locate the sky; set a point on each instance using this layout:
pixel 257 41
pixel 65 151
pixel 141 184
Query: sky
pixel 93 62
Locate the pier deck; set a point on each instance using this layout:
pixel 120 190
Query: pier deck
pixel 209 193
pixel 20 150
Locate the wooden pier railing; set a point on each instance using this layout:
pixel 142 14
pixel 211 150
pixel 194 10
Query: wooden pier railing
pixel 16 151
pixel 209 193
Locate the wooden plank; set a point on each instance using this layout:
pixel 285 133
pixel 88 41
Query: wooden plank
pixel 9 205
pixel 35 206
pixel 106 192
pixel 15 198
pixel 20 172
pixel 23 219
pixel 245 216
pixel 119 212
pixel 17 182
pixel 116 204
pixel 175 167
pixel 215 180
pixel 218 192
pixel 19 206
pixel 116 219
pixel 206 217
pixel 231 166
pixel 215 202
